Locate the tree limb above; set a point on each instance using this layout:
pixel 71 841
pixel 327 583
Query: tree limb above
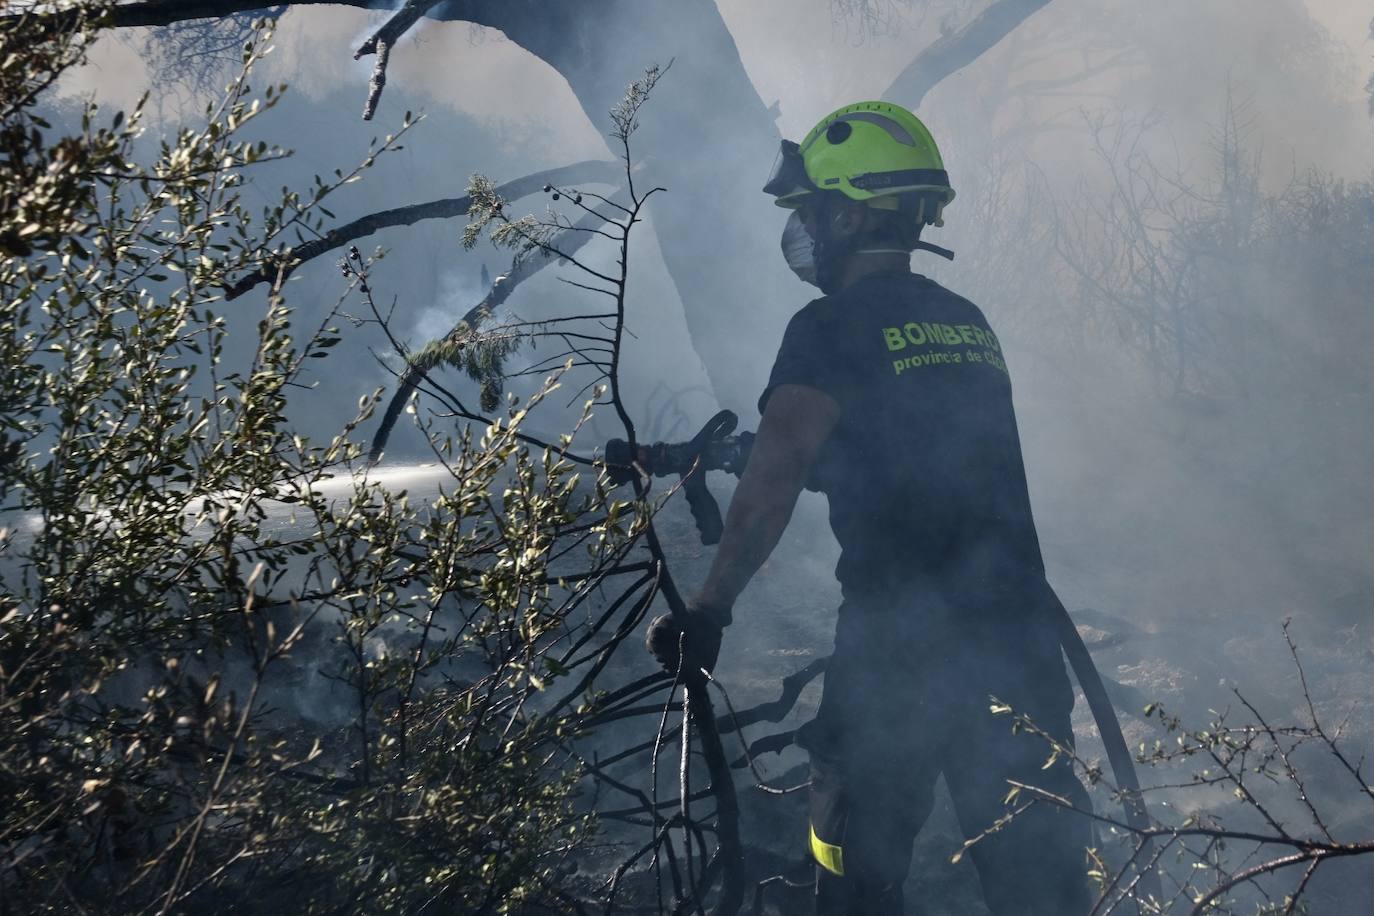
pixel 153 13
pixel 953 52
pixel 166 12
pixel 381 43
pixel 594 171
pixel 404 15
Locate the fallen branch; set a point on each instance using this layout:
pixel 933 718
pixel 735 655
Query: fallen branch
pixel 768 744
pixel 775 711
pixel 592 170
pixel 772 711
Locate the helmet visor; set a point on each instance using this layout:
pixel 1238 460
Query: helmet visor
pixel 789 178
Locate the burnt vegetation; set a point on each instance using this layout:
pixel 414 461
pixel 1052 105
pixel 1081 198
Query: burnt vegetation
pixel 494 740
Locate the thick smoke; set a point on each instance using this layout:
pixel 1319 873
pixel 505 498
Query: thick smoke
pixel 1192 515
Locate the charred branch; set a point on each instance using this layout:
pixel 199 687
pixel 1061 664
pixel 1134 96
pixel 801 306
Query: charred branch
pixel 768 744
pixel 772 711
pixel 792 686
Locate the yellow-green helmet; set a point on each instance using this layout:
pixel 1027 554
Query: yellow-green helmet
pixel 874 152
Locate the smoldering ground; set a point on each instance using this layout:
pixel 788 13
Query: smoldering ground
pixel 1143 215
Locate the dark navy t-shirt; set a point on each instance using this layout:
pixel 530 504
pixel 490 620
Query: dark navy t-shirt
pixel 923 472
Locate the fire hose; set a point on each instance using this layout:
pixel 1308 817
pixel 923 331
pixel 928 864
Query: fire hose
pixel 715 447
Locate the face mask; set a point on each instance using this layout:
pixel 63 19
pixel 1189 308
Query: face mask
pixel 799 250
pixel 819 268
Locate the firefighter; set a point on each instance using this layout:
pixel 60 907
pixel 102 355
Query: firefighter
pixel 891 395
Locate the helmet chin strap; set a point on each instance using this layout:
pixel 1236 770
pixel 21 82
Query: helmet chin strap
pixel 920 246
pixel 828 251
pixel 935 249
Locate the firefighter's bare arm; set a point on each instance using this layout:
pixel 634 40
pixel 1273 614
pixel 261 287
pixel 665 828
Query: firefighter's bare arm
pixel 796 422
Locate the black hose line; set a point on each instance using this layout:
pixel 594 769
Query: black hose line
pixel 1118 755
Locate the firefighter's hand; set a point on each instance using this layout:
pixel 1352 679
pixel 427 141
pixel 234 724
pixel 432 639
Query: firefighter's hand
pixel 701 642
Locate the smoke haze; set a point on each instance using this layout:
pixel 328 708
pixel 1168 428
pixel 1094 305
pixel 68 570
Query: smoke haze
pixel 1201 512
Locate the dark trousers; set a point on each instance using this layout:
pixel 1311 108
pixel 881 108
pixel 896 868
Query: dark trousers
pixel 903 704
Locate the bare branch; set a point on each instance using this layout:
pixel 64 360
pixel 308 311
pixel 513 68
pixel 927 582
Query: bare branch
pixel 953 52
pixel 420 365
pixel 395 27
pixel 775 710
pixel 592 170
pixel 167 12
pixel 1312 856
pixel 377 82
pixel 381 44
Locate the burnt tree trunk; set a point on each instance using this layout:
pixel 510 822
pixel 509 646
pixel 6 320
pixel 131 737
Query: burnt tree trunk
pixel 707 137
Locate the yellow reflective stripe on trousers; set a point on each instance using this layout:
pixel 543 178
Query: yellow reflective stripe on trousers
pixel 831 858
